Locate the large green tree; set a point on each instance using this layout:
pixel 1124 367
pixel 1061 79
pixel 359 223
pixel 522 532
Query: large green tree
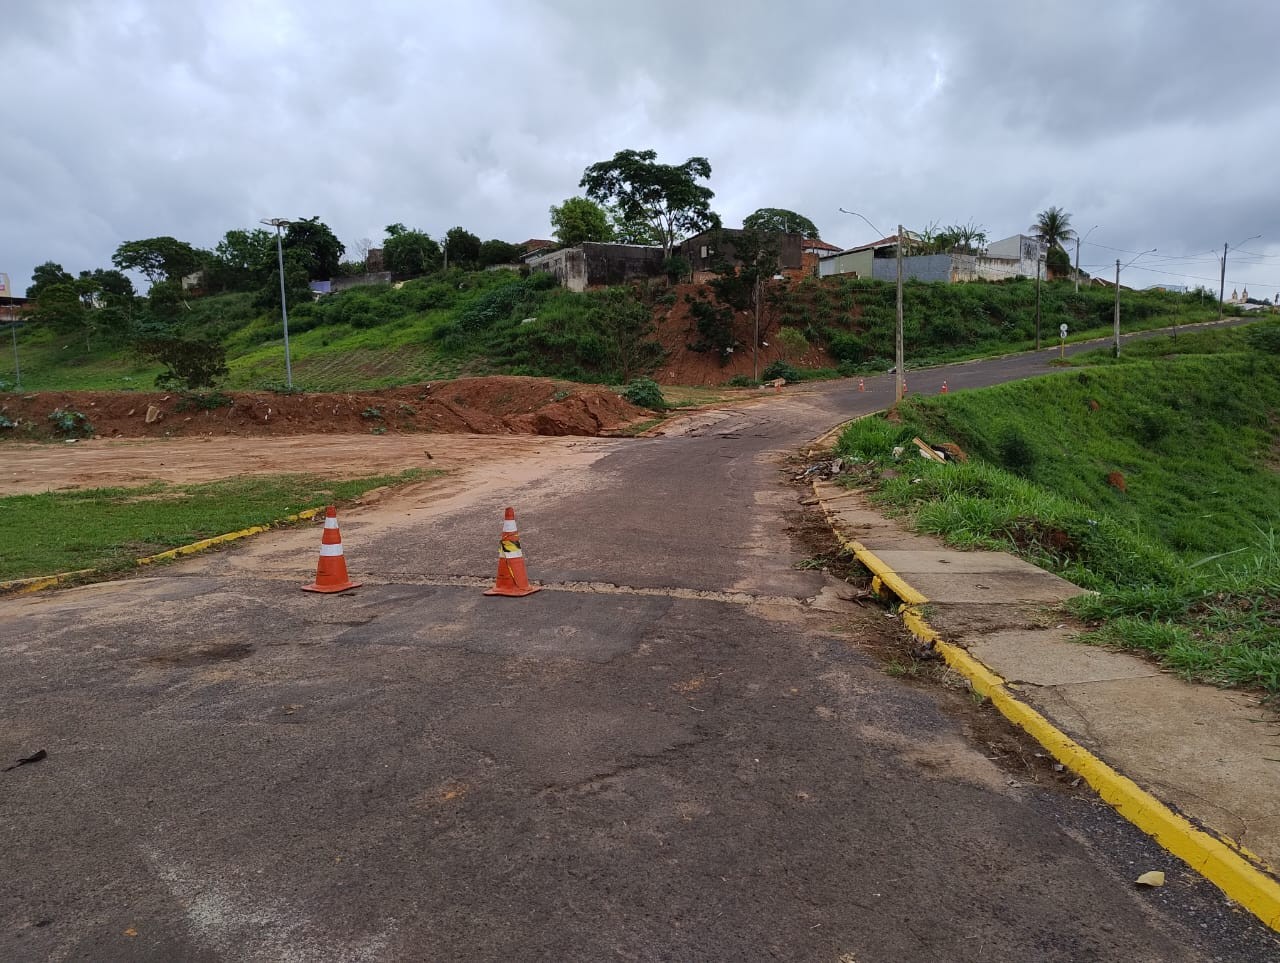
pixel 1053 226
pixel 668 197
pixel 781 221
pixel 242 260
pixel 494 252
pixel 463 248
pixel 579 219
pixel 159 258
pixel 46 275
pixel 316 247
pixel 409 252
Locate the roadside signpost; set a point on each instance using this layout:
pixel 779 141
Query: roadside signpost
pixel 1062 335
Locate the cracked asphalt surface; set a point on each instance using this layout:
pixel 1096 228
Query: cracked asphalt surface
pixel 688 752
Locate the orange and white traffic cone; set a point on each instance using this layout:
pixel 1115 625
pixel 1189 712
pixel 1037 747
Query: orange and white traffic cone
pixel 512 579
pixel 944 388
pixel 331 572
pixel 862 385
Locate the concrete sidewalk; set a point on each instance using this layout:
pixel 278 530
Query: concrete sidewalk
pixel 1211 754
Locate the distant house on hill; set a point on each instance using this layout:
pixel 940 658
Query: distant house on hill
pixel 535 246
pixel 593 264
pixel 704 251
pixel 1010 257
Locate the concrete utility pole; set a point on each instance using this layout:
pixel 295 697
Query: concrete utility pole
pixel 755 347
pixel 1116 347
pixel 278 223
pixel 1079 241
pixel 1222 280
pixel 897 339
pixel 1039 245
pixel 13 328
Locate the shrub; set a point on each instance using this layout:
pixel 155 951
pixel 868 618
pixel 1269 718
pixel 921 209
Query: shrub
pixel 743 381
pixel 71 423
pixel 781 369
pixel 204 401
pixel 1016 452
pixel 794 343
pixel 645 393
pixel 1265 337
pixel 190 363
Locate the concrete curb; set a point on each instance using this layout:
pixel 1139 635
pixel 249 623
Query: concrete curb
pixel 1224 863
pixel 25 586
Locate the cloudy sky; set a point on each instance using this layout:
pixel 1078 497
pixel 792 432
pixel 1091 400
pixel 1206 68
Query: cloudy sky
pixel 1158 122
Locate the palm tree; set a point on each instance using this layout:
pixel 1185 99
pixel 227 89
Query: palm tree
pixel 1053 226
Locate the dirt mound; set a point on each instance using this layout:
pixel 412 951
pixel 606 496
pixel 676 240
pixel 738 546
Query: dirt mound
pixel 485 406
pixel 677 330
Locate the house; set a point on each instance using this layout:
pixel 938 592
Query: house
pixel 704 251
pixel 593 263
pixel 535 246
pixel 858 260
pixel 812 250
pixel 1008 258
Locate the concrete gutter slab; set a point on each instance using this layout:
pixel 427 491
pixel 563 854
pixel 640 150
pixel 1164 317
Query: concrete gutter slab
pixel 1046 657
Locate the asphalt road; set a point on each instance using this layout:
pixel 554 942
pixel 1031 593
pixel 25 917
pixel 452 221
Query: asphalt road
pixel 683 749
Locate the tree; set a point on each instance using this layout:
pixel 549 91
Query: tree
pixel 1058 263
pixel 242 260
pixel 409 252
pixel 159 258
pixel 463 247
pixel 579 219
pixel 46 275
pixel 780 221
pixel 632 231
pixel 498 252
pixel 1053 226
pixel 668 197
pixel 317 248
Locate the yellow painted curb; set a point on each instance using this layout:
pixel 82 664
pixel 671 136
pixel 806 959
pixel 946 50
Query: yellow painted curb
pixel 1221 861
pixel 23 586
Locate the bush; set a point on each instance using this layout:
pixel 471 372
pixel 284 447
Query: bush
pixel 1265 337
pixel 190 363
pixel 743 381
pixel 781 369
pixel 70 423
pixel 794 343
pixel 1016 452
pixel 645 393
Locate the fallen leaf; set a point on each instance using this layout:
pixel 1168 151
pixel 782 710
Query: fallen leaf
pixel 1153 878
pixel 130 932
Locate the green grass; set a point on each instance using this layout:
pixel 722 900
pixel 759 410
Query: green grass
pixel 108 528
pixel 1185 557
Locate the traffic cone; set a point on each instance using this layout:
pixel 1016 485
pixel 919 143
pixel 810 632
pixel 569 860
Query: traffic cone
pixel 331 572
pixel 862 385
pixel 944 388
pixel 512 579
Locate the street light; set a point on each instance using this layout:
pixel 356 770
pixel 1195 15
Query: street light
pixel 13 328
pixel 1222 283
pixel 1080 240
pixel 278 223
pixel 897 339
pixel 1117 318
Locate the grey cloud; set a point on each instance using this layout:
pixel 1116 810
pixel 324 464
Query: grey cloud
pixel 145 118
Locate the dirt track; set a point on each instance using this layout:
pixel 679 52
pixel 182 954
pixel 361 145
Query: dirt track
pixel 105 462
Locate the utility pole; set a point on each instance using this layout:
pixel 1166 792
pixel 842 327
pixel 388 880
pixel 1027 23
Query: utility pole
pixel 1038 246
pixel 1222 281
pixel 897 341
pixel 13 328
pixel 278 223
pixel 1116 349
pixel 755 345
pixel 1078 241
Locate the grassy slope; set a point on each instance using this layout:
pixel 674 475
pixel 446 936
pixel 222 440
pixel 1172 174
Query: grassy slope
pixel 463 323
pixel 1186 557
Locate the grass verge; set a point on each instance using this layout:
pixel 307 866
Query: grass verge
pixel 109 528
pixel 1154 482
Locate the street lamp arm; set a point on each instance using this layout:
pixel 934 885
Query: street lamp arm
pixel 869 224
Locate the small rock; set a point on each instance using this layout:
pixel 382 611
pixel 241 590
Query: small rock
pixel 153 415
